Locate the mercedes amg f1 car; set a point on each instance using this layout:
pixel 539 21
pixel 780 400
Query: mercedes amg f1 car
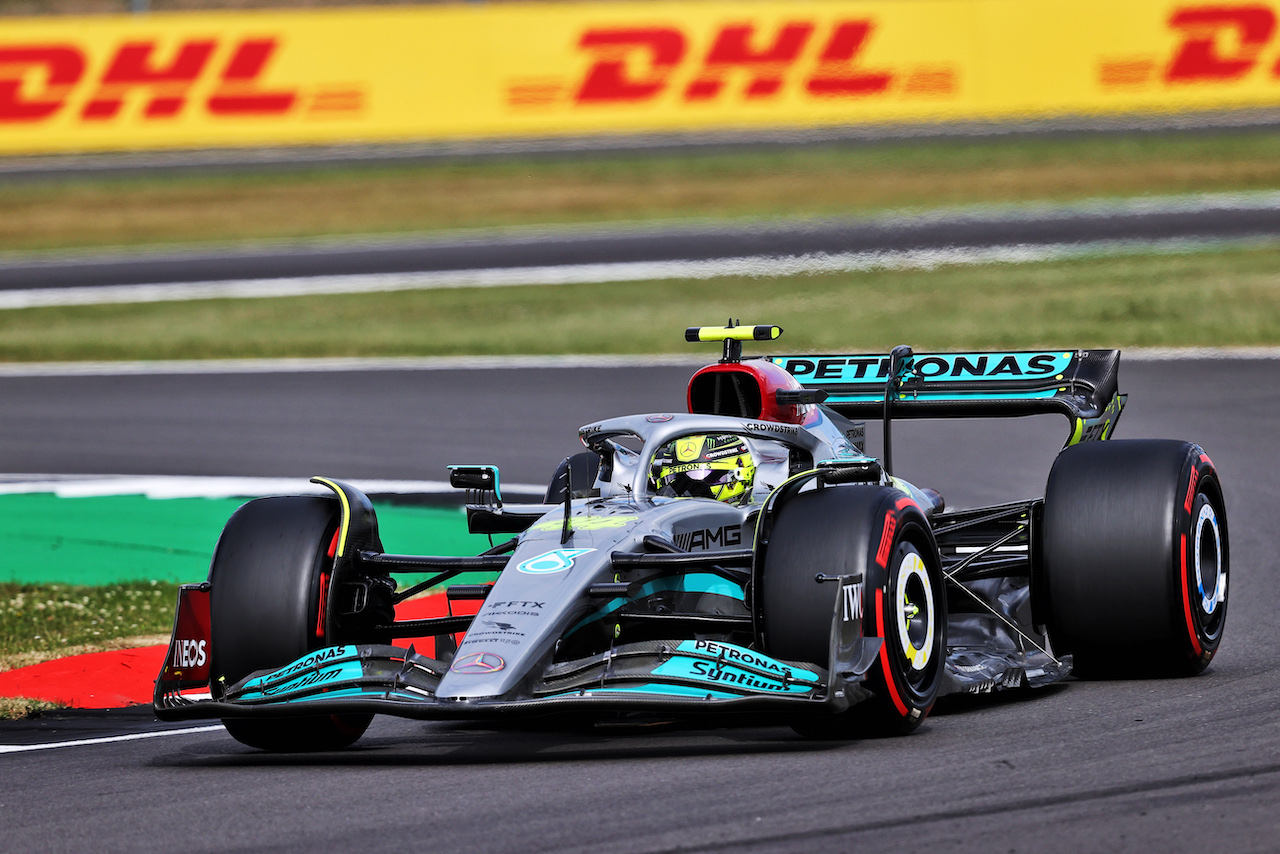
pixel 745 557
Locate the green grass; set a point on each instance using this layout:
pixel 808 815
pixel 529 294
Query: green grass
pixel 49 620
pixel 125 210
pixel 40 622
pixel 1211 298
pixel 16 708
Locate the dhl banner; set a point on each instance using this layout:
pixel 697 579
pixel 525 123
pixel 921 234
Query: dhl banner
pixel 394 74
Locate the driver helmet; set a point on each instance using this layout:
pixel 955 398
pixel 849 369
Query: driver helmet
pixel 718 466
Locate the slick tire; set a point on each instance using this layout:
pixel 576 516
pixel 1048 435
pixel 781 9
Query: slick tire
pixel 1135 558
pixel 582 468
pixel 882 535
pixel 267 586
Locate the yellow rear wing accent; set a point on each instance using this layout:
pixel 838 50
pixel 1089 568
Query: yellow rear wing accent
pixel 695 334
pixel 732 337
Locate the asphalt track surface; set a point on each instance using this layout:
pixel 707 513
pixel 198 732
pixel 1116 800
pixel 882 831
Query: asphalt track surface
pixel 1157 765
pixel 1205 218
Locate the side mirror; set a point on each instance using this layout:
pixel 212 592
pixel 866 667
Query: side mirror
pixel 481 478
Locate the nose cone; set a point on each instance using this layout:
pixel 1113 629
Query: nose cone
pixel 536 598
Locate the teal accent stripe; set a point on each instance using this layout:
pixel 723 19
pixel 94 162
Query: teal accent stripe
pixel 746 681
pixel 653 689
pixel 876 398
pixel 302 680
pixel 345 693
pixel 699 582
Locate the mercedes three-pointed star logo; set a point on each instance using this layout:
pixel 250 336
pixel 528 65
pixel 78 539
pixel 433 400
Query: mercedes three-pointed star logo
pixel 478 662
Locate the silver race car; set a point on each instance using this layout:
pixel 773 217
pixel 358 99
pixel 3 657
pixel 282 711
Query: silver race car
pixel 744 558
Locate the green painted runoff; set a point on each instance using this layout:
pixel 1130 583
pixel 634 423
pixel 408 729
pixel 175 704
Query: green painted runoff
pixel 107 540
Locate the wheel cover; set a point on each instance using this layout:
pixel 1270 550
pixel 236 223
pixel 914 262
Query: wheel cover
pixel 1208 560
pixel 914 607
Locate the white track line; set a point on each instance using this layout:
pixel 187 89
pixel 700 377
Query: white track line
pixel 85 742
pixel 756 266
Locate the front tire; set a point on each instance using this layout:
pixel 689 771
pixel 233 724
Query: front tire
pixel 882 535
pixel 1136 558
pixel 910 615
pixel 269 576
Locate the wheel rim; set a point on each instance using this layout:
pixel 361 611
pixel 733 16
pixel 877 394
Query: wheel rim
pixel 1210 574
pixel 914 607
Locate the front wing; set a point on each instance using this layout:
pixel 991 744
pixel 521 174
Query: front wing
pixel 681 674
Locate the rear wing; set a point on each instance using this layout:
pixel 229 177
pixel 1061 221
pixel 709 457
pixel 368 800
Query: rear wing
pixel 1081 384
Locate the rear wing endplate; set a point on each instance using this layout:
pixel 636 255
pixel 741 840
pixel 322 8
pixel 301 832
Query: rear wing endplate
pixel 1080 384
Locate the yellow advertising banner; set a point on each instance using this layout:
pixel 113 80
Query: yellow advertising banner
pixel 434 73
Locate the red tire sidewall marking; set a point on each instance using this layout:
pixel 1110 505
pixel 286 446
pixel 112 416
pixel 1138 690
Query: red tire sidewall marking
pixel 1191 489
pixel 884 554
pixel 885 668
pixel 886 540
pixel 1186 602
pixel 1200 469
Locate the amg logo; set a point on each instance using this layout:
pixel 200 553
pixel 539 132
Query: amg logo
pixel 706 538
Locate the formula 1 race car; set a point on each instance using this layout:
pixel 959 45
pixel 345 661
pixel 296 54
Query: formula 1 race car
pixel 746 557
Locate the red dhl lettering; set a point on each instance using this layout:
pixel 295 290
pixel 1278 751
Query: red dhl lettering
pixel 237 93
pixel 38 81
pixel 637 64
pixel 732 49
pixel 133 68
pixel 660 50
pixel 63 65
pixel 837 74
pixel 1219 42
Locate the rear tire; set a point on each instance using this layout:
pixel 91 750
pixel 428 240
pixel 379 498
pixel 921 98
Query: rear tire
pixel 1136 558
pixel 269 575
pixel 882 535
